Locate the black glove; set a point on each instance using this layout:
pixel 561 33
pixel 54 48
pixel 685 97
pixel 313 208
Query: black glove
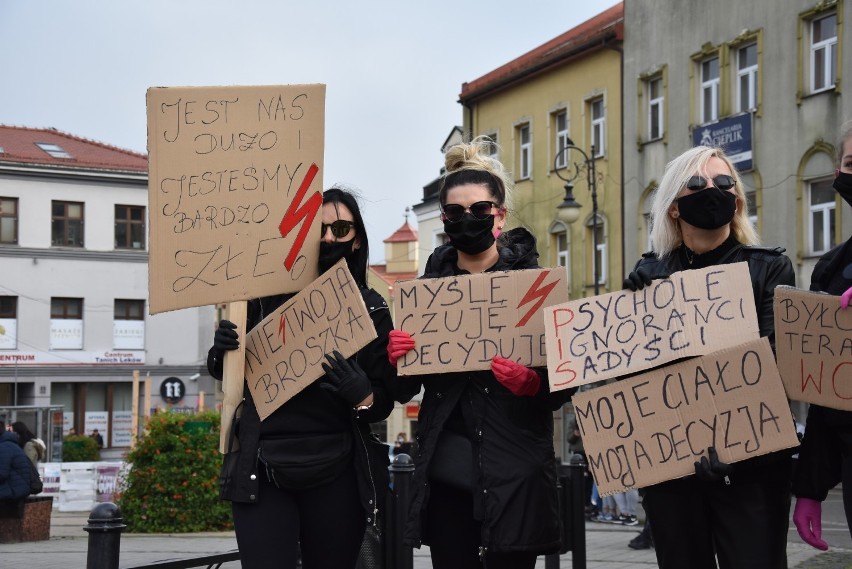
pixel 225 338
pixel 346 379
pixel 640 278
pixel 712 470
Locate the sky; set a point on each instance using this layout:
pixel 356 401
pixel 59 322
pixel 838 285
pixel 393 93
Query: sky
pixel 393 72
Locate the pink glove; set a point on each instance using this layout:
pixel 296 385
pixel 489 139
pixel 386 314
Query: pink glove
pixel 808 519
pixel 845 298
pixel 517 378
pixel 399 344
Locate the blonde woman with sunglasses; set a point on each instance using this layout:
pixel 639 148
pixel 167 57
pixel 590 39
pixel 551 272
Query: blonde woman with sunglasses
pixel 738 513
pixel 485 483
pixel 311 476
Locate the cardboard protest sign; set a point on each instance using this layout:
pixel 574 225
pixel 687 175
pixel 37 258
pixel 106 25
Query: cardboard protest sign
pixel 654 426
pixel 284 353
pixel 691 313
pixel 459 323
pixel 813 340
pixel 234 192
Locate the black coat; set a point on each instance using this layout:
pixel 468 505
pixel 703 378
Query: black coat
pixel 828 432
pixel 514 491
pixel 316 411
pixel 15 468
pixel 768 268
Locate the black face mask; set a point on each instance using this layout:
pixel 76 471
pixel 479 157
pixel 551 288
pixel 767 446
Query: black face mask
pixel 843 185
pixel 708 209
pixel 330 253
pixel 470 235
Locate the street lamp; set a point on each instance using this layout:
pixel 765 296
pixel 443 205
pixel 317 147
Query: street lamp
pixel 569 210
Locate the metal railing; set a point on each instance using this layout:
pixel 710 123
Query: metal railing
pixel 105 526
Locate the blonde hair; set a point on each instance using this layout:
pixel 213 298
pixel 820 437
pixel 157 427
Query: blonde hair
pixel 471 163
pixel 665 231
pixel 845 134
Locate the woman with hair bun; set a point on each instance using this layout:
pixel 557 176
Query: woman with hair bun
pixel 485 482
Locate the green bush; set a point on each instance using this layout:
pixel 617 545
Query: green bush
pixel 173 481
pixel 80 448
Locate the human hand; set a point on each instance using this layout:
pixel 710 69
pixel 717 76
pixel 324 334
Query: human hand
pixel 225 338
pixel 845 298
pixel 517 378
pixel 712 469
pixel 808 519
pixel 399 344
pixel 640 278
pixel 345 379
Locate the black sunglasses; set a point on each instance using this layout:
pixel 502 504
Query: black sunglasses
pixel 722 181
pixel 479 210
pixel 339 228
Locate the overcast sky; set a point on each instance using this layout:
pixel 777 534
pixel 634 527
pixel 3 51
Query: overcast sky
pixel 393 71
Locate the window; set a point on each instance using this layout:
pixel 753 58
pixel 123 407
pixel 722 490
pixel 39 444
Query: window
pixel 562 258
pixel 709 103
pixel 9 220
pixel 67 229
pixel 129 227
pixel 751 207
pixel 823 59
pixel 128 329
pixel 66 323
pixel 747 78
pixel 654 92
pixel 525 151
pixel 493 148
pixel 53 149
pixel 8 322
pixel 822 218
pixel 598 115
pixel 560 127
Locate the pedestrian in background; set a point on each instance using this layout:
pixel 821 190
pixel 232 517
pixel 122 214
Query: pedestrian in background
pixel 15 469
pixel 739 512
pixel 33 447
pixel 825 457
pixel 311 474
pixel 484 490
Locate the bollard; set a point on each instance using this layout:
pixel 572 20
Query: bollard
pixel 105 527
pixel 577 512
pixel 399 556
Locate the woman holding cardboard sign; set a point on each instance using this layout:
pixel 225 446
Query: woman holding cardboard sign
pixel 825 457
pixel 737 512
pixel 485 483
pixel 311 474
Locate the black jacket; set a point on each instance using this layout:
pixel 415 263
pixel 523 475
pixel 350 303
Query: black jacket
pixel 828 432
pixel 514 491
pixel 769 268
pixel 315 411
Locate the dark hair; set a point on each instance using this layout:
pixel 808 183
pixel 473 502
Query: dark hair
pixel 337 195
pixel 462 177
pixel 24 434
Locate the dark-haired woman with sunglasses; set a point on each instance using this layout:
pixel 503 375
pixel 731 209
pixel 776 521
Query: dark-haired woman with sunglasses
pixel 485 482
pixel 738 513
pixel 336 472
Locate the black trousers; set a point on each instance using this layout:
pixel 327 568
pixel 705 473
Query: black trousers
pixel 328 520
pixel 745 524
pixel 455 536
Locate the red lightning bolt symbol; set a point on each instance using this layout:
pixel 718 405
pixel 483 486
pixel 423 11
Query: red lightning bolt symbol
pixel 296 212
pixel 532 294
pixel 282 328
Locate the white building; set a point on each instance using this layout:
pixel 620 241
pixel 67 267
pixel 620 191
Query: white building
pixel 74 321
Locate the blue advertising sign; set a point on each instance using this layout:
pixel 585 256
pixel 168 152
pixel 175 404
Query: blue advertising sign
pixel 733 135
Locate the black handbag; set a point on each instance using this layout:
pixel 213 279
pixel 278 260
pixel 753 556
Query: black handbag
pixel 308 461
pixel 372 550
pixel 452 461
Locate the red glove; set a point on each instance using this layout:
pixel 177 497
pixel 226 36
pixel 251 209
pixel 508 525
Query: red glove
pixel 808 519
pixel 517 378
pixel 399 344
pixel 845 298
